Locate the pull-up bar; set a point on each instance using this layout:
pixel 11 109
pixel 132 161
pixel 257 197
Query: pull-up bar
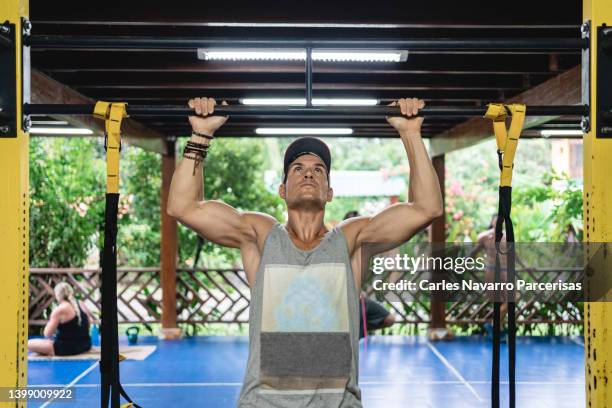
pixel 299 111
pixel 190 43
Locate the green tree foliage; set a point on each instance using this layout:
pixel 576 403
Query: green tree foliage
pixel 544 204
pixel 551 211
pixel 234 175
pixel 140 234
pixel 66 199
pixel 339 206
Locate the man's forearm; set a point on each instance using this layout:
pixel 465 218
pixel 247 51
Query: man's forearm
pixel 187 187
pixel 424 187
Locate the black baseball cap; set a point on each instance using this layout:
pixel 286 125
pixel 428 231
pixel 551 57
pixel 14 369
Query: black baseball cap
pixel 306 145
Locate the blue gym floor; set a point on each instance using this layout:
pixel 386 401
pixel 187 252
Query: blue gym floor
pixel 393 372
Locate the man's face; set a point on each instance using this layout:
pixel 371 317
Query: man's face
pixel 307 185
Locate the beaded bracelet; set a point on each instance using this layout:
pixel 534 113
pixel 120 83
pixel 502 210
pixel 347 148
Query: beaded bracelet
pixel 209 137
pixel 195 145
pixel 199 152
pixel 197 159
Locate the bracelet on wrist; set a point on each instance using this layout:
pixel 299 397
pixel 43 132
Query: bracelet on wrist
pixel 195 133
pixel 198 152
pixel 197 159
pixel 196 145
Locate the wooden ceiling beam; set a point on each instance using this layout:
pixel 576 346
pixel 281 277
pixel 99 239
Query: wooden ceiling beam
pixel 564 89
pixel 47 90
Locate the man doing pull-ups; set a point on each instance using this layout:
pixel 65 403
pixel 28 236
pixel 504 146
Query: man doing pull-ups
pixel 305 279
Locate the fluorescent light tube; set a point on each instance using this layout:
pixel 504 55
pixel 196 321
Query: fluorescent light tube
pixel 343 102
pixel 359 56
pixel 560 132
pixel 266 54
pixel 60 131
pixel 304 131
pixel 274 101
pixel 251 54
pixel 315 101
pixel 49 122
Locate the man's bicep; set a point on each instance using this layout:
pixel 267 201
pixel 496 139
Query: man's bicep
pixel 393 226
pixel 218 222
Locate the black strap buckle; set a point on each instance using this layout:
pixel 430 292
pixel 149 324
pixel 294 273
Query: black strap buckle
pixel 106 143
pixel 500 159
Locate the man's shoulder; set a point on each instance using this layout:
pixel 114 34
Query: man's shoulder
pixel 261 223
pixel 259 219
pixel 351 228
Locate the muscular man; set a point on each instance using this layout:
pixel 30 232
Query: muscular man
pixel 304 278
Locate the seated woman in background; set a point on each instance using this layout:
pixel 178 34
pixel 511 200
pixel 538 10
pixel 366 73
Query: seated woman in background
pixel 71 321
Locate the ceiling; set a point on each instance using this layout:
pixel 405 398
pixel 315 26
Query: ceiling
pixel 441 78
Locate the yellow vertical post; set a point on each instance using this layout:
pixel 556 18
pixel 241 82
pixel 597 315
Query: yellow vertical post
pixel 14 234
pixel 598 229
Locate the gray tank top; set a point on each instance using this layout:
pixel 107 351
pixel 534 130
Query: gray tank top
pixel 304 323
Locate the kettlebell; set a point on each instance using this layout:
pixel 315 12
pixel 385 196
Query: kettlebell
pixel 132 335
pixel 95 335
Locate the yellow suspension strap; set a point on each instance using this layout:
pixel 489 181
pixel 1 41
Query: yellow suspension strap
pixel 113 114
pixel 507 142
